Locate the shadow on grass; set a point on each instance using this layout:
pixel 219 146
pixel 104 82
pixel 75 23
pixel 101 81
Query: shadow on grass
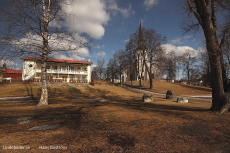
pixel 123 140
pixel 29 89
pixel 134 104
pixel 60 96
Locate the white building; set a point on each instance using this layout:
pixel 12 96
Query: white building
pixel 57 70
pixel 139 70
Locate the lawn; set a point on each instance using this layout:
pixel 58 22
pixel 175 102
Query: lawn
pixel 177 88
pixel 105 119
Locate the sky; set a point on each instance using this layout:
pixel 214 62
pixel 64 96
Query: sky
pixel 118 19
pixel 111 22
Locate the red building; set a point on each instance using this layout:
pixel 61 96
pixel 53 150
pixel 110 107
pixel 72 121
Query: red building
pixel 13 74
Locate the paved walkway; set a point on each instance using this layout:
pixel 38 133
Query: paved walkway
pixel 207 98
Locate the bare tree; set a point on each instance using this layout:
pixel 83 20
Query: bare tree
pixel 94 73
pixel 100 67
pixel 205 67
pixel 130 49
pixel 204 14
pixel 121 60
pixel 36 27
pixel 188 60
pixel 153 42
pixel 112 69
pixel 170 65
pixel 145 46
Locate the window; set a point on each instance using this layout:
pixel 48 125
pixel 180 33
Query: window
pixel 63 68
pixel 78 69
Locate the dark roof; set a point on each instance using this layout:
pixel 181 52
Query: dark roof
pixel 58 60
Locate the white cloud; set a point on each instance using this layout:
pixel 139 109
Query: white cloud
pixel 149 3
pixel 98 46
pixel 187 36
pixel 176 41
pixel 179 50
pixel 112 6
pixel 9 64
pixel 179 41
pixel 126 41
pixel 101 54
pixel 93 65
pixel 68 56
pixel 88 16
pixel 62 46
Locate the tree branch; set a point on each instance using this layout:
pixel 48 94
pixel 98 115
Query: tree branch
pixel 213 13
pixel 223 39
pixel 192 9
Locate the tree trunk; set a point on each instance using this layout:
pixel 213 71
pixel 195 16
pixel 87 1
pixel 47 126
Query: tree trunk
pixel 44 95
pixel 220 96
pixel 150 78
pixel 120 80
pixel 150 83
pixel 131 75
pixel 205 13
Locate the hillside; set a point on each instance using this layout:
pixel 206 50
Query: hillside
pixel 178 89
pixel 20 89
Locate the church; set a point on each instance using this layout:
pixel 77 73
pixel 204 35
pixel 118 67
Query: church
pixel 141 70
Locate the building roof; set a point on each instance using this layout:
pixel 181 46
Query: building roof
pixel 11 71
pixel 58 60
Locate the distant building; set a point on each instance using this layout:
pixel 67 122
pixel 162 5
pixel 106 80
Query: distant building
pixel 57 70
pixel 14 74
pixel 1 75
pixel 139 70
pixel 9 75
pixel 3 66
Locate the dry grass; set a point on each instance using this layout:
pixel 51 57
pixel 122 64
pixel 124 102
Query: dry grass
pixel 17 89
pixel 178 89
pixel 122 124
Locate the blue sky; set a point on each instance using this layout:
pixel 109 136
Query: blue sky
pixel 164 16
pixel 111 22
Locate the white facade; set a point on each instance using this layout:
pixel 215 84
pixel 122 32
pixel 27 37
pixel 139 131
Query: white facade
pixel 57 70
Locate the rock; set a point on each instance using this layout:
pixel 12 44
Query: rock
pixel 182 100
pixel 147 98
pixel 24 120
pixel 169 94
pixel 45 127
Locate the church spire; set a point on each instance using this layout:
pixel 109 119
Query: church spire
pixel 141 44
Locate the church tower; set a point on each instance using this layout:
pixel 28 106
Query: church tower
pixel 141 48
pixel 141 43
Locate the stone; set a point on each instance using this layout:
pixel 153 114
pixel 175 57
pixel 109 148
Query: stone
pixel 169 94
pixel 45 127
pixel 182 100
pixel 147 98
pixel 24 120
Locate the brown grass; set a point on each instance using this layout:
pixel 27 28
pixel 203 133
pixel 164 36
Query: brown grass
pixel 178 89
pixel 17 89
pixel 122 124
